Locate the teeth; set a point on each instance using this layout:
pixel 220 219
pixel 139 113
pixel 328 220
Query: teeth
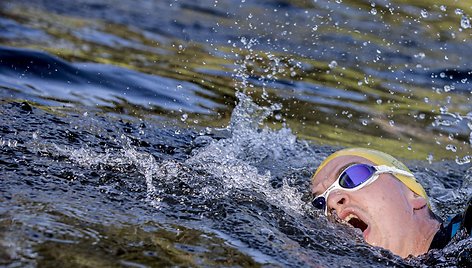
pixel 350 216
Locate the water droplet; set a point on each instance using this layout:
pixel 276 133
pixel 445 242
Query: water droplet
pixel 465 23
pixel 184 117
pixel 364 122
pixel 424 13
pixel 85 114
pixel 315 28
pixel 430 158
pixel 463 81
pixel 409 147
pixel 391 122
pixel 420 55
pixel 179 86
pixel 373 11
pixel 447 88
pixel 443 8
pixel 421 116
pixel 450 136
pixel 333 64
pixel 451 147
pixel 459 11
pixel 426 99
pixel 339 1
pixel 442 75
pixel 464 160
pixel 278 116
pixel 379 101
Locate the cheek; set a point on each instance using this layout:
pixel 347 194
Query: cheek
pixel 387 199
pixel 392 208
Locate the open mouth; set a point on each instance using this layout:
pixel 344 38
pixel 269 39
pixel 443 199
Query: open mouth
pixel 356 222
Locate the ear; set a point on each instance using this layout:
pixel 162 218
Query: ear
pixel 416 201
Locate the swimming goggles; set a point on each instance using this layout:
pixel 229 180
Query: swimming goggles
pixel 353 178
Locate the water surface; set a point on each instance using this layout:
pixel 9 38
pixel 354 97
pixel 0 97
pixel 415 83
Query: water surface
pixel 160 133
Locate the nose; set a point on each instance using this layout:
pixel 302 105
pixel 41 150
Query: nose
pixel 337 200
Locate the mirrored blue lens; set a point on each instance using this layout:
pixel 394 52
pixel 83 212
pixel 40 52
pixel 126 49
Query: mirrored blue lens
pixel 355 175
pixel 319 202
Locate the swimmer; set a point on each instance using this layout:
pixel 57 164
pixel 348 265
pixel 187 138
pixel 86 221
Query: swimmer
pixel 378 194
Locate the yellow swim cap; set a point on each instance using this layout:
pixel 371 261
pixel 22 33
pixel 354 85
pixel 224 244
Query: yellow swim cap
pixel 380 158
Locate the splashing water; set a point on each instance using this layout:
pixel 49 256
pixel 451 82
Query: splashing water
pixel 241 158
pixel 448 119
pixel 123 158
pixel 241 72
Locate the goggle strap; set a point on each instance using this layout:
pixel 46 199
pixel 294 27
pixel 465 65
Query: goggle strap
pixel 387 169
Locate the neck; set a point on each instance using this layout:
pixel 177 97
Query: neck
pixel 427 229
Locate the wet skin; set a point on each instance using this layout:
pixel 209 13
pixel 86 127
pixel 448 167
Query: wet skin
pixel 391 215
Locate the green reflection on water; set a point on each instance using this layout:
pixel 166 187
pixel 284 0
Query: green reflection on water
pixel 56 234
pixel 151 244
pixel 326 123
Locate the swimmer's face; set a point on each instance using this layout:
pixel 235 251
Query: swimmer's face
pixel 383 210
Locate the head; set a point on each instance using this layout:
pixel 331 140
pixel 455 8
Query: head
pixel 391 209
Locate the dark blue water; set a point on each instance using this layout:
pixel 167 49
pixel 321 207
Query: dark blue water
pixel 50 78
pixel 175 133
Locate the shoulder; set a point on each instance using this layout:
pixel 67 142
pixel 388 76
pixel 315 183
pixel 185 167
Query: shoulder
pixel 454 228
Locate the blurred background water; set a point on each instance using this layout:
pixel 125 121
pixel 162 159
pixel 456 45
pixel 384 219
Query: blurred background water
pixel 158 133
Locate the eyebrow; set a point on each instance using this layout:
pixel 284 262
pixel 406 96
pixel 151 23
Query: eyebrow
pixel 341 170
